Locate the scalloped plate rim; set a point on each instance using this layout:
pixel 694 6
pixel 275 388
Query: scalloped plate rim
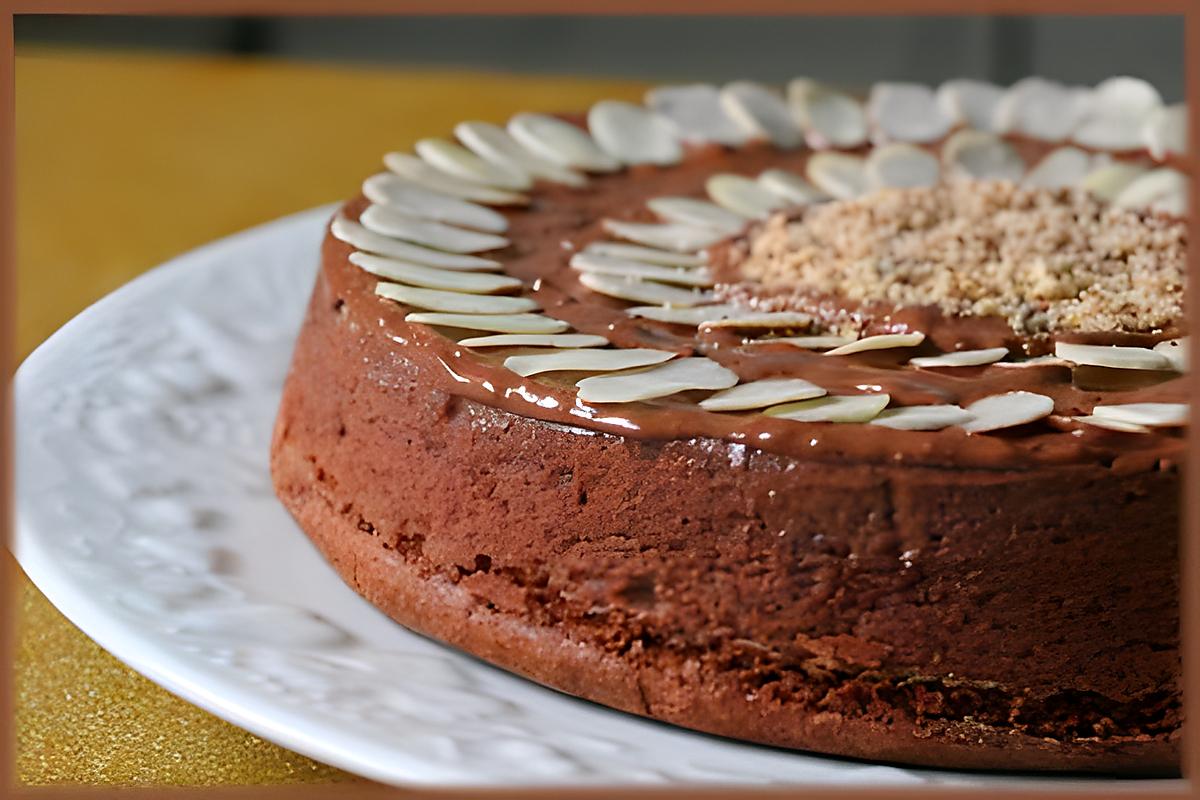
pixel 144 653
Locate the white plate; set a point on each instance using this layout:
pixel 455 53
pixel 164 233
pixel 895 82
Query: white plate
pixel 146 515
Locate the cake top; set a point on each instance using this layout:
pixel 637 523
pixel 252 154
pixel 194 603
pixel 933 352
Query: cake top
pixel 736 262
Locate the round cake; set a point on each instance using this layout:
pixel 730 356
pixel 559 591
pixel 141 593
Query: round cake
pixel 845 425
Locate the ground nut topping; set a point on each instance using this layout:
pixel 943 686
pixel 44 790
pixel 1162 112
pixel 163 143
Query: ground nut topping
pixel 1046 260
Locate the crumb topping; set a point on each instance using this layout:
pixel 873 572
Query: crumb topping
pixel 1046 260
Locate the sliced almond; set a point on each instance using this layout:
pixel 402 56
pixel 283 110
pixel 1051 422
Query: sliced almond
pixel 1154 187
pixel 649 255
pixel 1123 95
pixel 901 166
pixel 454 302
pixel 494 144
pixel 607 265
pixel 809 342
pixel 1036 361
pixel 983 156
pixel 433 278
pixel 906 112
pixel 388 222
pixel 1112 424
pixel 1109 180
pixel 838 175
pixel 414 169
pixel 1059 169
pixel 695 315
pixel 1006 411
pixel 1151 415
pixel 643 291
pixel 1174 203
pixel 834 408
pixel 1040 109
pixel 961 358
pixel 762 393
pixel 392 220
pixel 828 118
pixel 680 375
pixel 563 340
pixel 356 235
pixel 633 134
pixel 761 112
pixel 1164 131
pixel 697 213
pixel 742 196
pixel 790 187
pixel 561 142
pixel 584 360
pixel 762 319
pixel 1116 111
pixel 1112 356
pixel 460 162
pixel 500 323
pixel 922 418
pixel 413 200
pixel 668 236
pixel 884 341
pixel 697 114
pixel 1176 351
pixel 1103 133
pixel 972 103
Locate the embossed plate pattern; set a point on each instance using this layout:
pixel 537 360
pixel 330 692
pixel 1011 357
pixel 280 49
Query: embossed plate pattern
pixel 146 515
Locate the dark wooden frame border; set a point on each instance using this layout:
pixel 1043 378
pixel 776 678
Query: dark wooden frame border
pixel 1187 10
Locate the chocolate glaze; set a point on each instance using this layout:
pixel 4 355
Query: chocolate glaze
pixel 562 220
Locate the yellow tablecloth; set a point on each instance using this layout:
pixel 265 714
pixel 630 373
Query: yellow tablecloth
pixel 124 160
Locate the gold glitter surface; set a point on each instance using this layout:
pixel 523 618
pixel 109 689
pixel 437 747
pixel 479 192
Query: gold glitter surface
pixel 84 717
pixel 220 136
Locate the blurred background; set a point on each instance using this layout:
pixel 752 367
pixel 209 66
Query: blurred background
pixel 139 138
pixel 845 50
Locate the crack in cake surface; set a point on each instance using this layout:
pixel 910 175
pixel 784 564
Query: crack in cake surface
pixel 1047 261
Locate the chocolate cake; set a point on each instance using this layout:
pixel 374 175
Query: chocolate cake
pixel 874 452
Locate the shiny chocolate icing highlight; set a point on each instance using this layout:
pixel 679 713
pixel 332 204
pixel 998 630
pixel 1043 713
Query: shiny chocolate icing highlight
pixel 562 220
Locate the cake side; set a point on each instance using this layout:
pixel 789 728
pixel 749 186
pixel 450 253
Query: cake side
pixel 963 618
